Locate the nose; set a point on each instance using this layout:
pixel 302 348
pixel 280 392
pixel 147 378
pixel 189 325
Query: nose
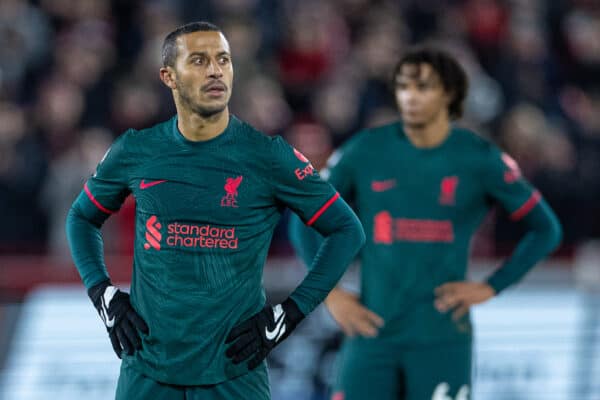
pixel 407 96
pixel 214 70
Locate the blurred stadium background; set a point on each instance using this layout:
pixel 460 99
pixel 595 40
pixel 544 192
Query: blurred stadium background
pixel 74 74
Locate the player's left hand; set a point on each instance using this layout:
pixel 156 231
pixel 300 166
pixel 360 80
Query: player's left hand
pixel 259 334
pixel 460 296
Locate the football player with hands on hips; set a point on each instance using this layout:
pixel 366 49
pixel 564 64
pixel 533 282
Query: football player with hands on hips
pixel 209 190
pixel 421 188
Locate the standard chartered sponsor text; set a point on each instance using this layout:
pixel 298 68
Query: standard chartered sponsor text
pixel 205 236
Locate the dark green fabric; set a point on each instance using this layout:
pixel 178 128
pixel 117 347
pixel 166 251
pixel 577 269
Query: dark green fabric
pixel 85 239
pixel 544 233
pixel 343 238
pixel 133 385
pixel 205 216
pixel 420 209
pixel 373 369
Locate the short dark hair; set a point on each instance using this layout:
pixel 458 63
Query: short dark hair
pixel 169 47
pixel 453 76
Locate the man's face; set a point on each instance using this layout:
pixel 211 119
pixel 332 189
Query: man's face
pixel 420 94
pixel 204 73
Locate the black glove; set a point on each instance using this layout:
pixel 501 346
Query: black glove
pixel 120 319
pixel 260 333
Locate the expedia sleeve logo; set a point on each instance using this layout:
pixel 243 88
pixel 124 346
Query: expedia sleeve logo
pixel 308 170
pixel 188 236
pixel 513 173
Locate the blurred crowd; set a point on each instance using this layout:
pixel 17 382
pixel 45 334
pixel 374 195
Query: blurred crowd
pixel 75 74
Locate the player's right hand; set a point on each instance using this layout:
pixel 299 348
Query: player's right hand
pixel 351 316
pixel 119 317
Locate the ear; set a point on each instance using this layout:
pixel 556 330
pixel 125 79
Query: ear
pixel 167 76
pixel 448 97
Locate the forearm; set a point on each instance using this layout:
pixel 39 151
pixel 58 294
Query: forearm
pixel 343 238
pixel 305 240
pixel 85 241
pixel 543 236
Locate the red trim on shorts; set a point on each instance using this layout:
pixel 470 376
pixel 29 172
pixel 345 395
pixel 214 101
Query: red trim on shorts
pixel 323 209
pixel 96 202
pixel 527 206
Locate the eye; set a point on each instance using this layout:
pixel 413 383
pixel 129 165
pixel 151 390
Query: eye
pixel 223 60
pixel 198 60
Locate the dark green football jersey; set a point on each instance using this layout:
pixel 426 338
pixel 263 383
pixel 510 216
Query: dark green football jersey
pixel 205 216
pixel 419 209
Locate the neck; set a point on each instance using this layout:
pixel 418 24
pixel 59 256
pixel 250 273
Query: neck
pixel 197 128
pixel 430 134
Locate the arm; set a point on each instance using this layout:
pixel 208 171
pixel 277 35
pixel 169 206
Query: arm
pixel 85 240
pixel 543 235
pixel 102 194
pixel 344 305
pixel 317 203
pixel 339 173
pixel 343 238
pixel 506 185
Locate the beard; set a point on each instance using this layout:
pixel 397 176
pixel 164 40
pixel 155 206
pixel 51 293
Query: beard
pixel 186 97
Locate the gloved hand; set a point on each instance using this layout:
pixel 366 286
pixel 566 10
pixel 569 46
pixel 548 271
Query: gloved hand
pixel 259 334
pixel 119 317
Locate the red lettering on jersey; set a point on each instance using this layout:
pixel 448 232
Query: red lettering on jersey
pixel 514 172
pixel 387 230
pixel 231 190
pixel 304 172
pixel 382 228
pixel 424 230
pixel 191 235
pixel 308 170
pixel 448 190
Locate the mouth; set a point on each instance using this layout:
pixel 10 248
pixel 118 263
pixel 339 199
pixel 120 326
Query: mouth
pixel 215 89
pixel 412 111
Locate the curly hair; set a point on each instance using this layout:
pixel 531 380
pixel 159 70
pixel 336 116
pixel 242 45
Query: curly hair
pixel 453 76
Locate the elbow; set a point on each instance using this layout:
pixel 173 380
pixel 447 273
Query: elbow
pixel 363 237
pixel 357 232
pixel 552 233
pixel 76 215
pixel 71 217
pixel 555 234
pixel 354 234
pixel 359 236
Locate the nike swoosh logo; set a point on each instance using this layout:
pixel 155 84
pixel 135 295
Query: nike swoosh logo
pixel 382 186
pixel 109 292
pixel 279 329
pixel 109 322
pixel 146 185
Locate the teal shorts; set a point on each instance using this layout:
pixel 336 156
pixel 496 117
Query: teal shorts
pixel 367 369
pixel 133 385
